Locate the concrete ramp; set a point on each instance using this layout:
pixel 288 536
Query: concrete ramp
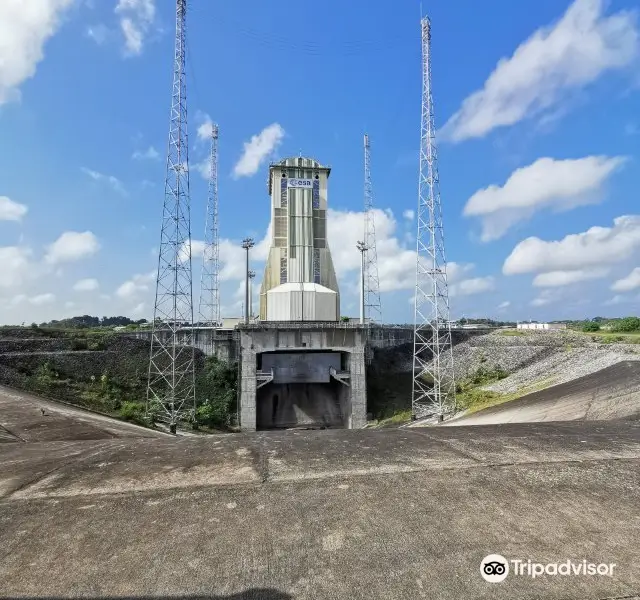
pixel 611 393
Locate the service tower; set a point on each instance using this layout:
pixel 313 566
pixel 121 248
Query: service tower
pixel 299 282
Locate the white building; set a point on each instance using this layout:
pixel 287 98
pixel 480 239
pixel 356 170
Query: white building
pixel 299 282
pixel 543 326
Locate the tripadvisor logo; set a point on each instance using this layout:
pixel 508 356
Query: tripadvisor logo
pixel 494 568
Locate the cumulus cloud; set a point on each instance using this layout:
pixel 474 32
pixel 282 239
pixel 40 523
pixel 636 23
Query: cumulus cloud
pixel 205 126
pixel 197 248
pixel 617 299
pixel 24 31
pixel 560 278
pixel 567 56
pixel 547 183
pixel 150 154
pixel 136 18
pixel 628 283
pixel 16 266
pixel 136 285
pixel 41 299
pixel 10 210
pixel 258 149
pixel 114 182
pixel 542 300
pixel 468 287
pixel 596 247
pixel 86 285
pixel 409 215
pixel 71 246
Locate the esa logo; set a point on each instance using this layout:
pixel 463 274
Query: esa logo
pixel 494 568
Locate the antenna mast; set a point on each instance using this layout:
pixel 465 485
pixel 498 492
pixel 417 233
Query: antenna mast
pixel 433 377
pixel 171 386
pixel 373 306
pixel 209 308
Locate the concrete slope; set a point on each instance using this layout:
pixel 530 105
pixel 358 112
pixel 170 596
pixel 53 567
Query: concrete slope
pixel 611 393
pixel 21 419
pixel 322 515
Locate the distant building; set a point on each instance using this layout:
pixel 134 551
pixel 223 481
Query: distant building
pixel 299 282
pixel 542 326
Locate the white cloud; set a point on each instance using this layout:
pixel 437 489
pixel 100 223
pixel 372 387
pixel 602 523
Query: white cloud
pixel 138 309
pixel 258 149
pixel 203 168
pixel 205 128
pixel 468 287
pixel 150 153
pixel 16 266
pixel 24 29
pixel 547 183
pixel 136 18
pixel 10 210
pixel 86 285
pixel 197 249
pixel 503 305
pixel 409 215
pixel 41 299
pixel 114 182
pixel 567 56
pixel 72 245
pixel 396 263
pixel 628 283
pixel 136 285
pixel 541 301
pixel 98 33
pixel 560 278
pixel 596 247
pixel 617 299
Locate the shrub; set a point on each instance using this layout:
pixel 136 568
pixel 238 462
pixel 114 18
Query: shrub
pixel 590 327
pixel 134 412
pixel 626 325
pixel 216 393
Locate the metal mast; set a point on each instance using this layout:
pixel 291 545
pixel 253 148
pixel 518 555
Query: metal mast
pixel 171 387
pixel 373 306
pixel 209 309
pixel 433 378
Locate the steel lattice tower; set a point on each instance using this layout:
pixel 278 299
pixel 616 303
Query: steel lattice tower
pixel 433 378
pixel 171 387
pixel 209 308
pixel 373 306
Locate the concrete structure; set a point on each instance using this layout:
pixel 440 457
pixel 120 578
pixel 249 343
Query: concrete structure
pixel 542 326
pixel 299 282
pixel 293 374
pixel 87 509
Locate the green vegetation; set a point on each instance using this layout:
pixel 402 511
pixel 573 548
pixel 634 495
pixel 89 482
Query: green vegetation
pixel 602 324
pixel 469 393
pixel 216 393
pixel 512 332
pixel 106 372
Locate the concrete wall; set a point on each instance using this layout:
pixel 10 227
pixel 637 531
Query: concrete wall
pixel 311 404
pixel 221 343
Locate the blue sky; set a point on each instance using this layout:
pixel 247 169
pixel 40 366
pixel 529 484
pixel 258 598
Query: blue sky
pixel 539 137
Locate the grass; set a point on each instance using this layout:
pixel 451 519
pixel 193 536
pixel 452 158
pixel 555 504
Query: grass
pixel 403 416
pixel 512 332
pixel 474 399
